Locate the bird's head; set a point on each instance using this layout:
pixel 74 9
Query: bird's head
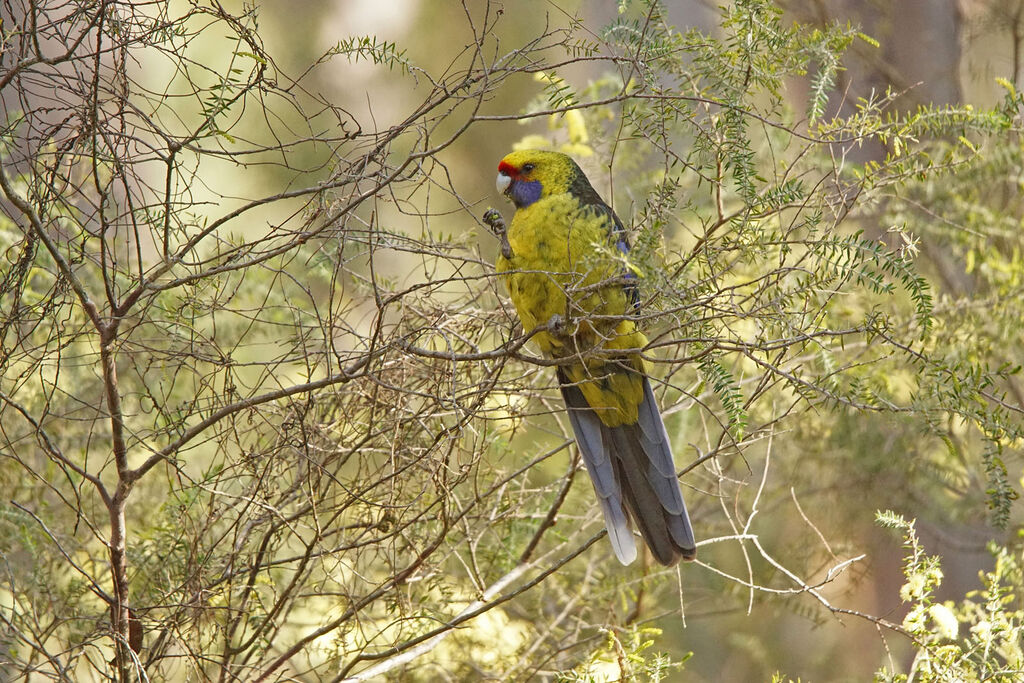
pixel 530 174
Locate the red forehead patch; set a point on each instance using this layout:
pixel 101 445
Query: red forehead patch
pixel 507 168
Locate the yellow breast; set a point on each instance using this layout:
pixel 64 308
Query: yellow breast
pixel 561 253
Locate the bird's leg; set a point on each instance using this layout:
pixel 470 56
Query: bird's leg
pixel 494 221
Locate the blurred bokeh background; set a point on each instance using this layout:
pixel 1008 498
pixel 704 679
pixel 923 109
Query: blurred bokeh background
pixel 833 271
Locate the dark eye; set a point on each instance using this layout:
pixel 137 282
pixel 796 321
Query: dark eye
pixel 527 168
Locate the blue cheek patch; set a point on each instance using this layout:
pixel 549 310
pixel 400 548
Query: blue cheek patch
pixel 525 192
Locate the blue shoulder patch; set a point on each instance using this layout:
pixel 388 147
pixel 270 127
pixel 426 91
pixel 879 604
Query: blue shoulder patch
pixel 632 286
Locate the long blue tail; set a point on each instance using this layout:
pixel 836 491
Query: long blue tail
pixel 632 468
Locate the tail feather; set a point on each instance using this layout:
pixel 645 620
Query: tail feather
pixel 631 468
pixel 619 531
pixel 682 533
pixel 596 450
pixel 666 488
pixel 642 498
pixel 661 466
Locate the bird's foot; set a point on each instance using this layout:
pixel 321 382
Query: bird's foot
pixel 493 220
pixel 556 325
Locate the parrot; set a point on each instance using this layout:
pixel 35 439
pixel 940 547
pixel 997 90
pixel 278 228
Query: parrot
pixel 564 263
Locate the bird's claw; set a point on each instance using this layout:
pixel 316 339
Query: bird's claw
pixel 493 220
pixel 556 324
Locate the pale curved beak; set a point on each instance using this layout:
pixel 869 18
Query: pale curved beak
pixel 503 182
